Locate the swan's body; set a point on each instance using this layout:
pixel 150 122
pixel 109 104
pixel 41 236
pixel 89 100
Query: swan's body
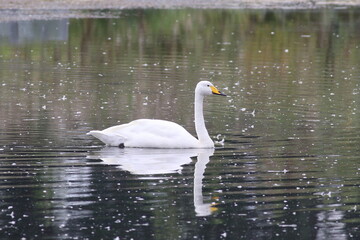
pixel 151 133
pixel 147 133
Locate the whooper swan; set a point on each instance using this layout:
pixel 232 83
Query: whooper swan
pixel 153 133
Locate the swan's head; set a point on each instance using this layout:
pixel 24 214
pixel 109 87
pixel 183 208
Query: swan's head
pixel 207 88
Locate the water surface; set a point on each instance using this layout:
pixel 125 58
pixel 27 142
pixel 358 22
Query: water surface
pixel 289 167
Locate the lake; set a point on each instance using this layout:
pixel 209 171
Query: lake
pixel 287 163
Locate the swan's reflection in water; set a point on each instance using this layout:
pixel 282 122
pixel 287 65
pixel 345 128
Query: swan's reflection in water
pixel 201 208
pixel 141 161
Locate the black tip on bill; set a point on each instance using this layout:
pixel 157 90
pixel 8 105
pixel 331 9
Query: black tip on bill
pixel 220 94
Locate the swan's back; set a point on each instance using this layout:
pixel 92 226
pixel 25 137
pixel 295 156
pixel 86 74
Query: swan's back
pixel 147 133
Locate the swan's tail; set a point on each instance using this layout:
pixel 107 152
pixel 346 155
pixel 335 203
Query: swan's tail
pixel 108 139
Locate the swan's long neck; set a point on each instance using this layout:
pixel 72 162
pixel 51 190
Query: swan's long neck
pixel 202 133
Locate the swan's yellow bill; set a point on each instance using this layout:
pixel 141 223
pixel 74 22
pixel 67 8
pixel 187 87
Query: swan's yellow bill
pixel 216 91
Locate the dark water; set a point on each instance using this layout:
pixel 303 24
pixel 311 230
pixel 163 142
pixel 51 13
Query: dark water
pixel 289 167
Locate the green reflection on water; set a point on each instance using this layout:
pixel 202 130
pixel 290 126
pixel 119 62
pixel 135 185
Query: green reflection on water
pixel 293 83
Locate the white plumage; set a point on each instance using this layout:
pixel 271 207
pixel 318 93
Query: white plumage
pixel 152 133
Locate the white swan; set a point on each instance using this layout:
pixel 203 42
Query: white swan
pixel 152 133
